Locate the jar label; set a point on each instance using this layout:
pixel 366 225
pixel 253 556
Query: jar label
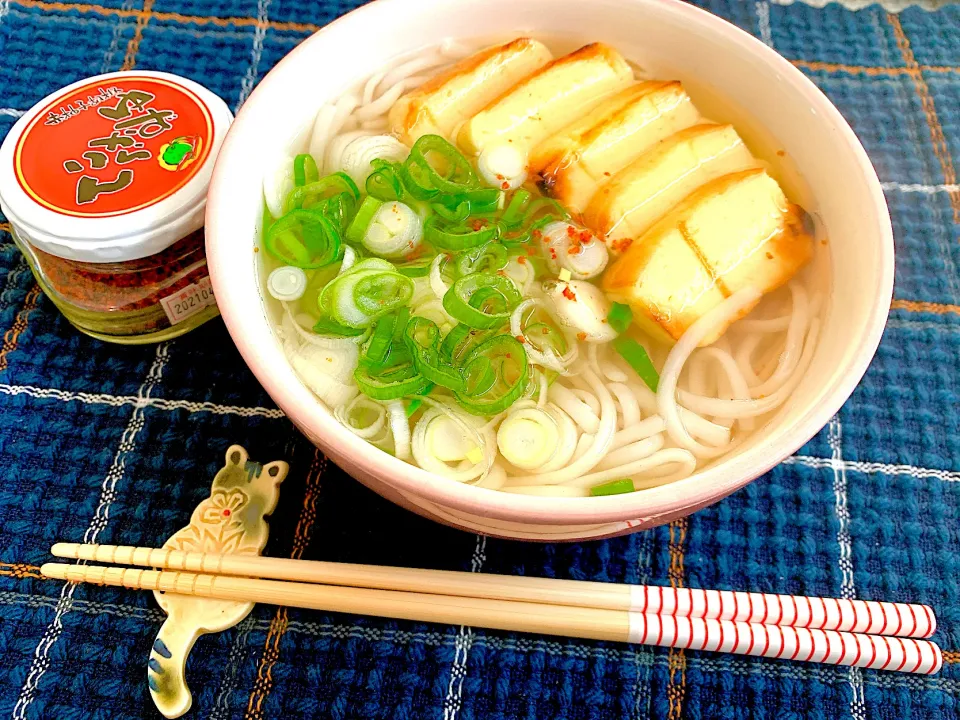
pixel 188 301
pixel 113 146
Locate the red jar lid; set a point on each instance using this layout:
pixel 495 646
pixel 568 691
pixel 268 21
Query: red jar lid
pixel 114 167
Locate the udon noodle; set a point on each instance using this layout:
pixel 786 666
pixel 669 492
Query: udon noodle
pixel 586 422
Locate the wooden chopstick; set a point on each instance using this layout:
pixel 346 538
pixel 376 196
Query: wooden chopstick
pixel 876 618
pixel 793 643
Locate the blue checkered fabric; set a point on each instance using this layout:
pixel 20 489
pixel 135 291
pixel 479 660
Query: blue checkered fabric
pixel 122 443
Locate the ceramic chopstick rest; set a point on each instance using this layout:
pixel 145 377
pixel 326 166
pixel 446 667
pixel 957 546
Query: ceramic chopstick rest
pixel 230 521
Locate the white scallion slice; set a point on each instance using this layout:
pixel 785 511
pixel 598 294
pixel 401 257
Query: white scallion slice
pixel 503 166
pixel 277 184
pixel 447 448
pixel 356 155
pixel 528 438
pixel 363 416
pixel 308 363
pixel 287 283
pixel 394 231
pixel 449 441
pixel 574 249
pixel 582 306
pixel 400 427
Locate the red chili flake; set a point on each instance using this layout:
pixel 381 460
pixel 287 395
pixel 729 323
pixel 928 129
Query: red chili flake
pixel 123 287
pixel 769 256
pixel 501 273
pixel 607 174
pixel 545 331
pixel 780 153
pixel 508 356
pixel 478 224
pixel 571 231
pixel 586 236
pixel 505 185
pixel 553 253
pixel 226 512
pixel 531 252
pixel 521 339
pixel 569 294
pixel 522 260
pixel 574 249
pixel 536 234
pixel 417 252
pixel 410 243
pixel 581 336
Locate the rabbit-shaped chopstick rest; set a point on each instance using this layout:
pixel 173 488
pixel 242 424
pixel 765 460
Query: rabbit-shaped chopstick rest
pixel 231 520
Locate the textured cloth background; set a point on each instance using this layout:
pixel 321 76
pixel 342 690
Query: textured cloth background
pixel 119 444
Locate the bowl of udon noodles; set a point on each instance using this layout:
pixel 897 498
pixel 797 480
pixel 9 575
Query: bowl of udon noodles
pixel 548 270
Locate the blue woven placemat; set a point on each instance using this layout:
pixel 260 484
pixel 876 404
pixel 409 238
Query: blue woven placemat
pixel 120 444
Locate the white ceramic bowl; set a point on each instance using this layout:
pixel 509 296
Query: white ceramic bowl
pixel 771 103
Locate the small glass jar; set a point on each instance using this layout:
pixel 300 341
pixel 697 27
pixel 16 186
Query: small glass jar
pixel 104 184
pixel 147 300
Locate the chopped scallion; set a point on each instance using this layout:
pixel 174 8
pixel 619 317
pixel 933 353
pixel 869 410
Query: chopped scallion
pixel 620 317
pixel 614 487
pixel 633 352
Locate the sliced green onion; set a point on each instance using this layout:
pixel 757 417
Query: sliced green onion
pixel 435 166
pixel 476 202
pixel 637 358
pixel 386 349
pixel 514 213
pixel 400 326
pixel 460 341
pixel 457 237
pixel 303 239
pixel 422 338
pixel 361 221
pixel 482 300
pixel 486 258
pixel 540 330
pixel 386 181
pixel 391 384
pixel 456 215
pixel 414 406
pixel 614 487
pixel 366 292
pixel 316 194
pixel 381 292
pixel 620 317
pixel 305 170
pixel 396 355
pixel 339 210
pixel 379 346
pixel 505 357
pixel 416 268
pixel 326 326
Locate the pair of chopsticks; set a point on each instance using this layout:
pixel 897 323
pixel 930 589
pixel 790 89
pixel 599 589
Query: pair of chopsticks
pixel 867 634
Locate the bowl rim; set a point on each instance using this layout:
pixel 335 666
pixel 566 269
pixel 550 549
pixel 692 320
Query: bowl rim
pixel 702 489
